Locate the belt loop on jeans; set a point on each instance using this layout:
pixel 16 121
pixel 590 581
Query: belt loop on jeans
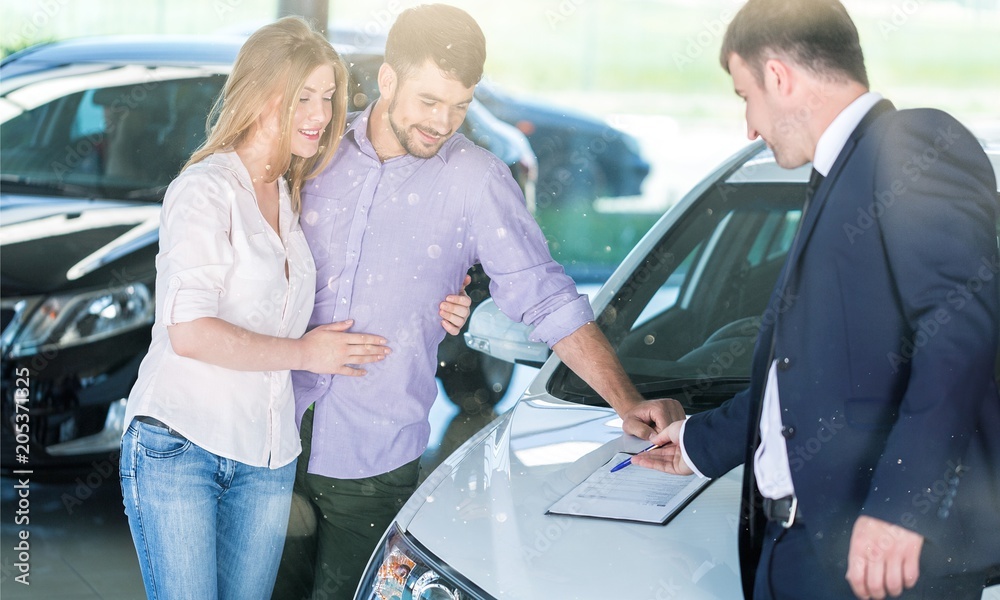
pixel 783 510
pixel 156 423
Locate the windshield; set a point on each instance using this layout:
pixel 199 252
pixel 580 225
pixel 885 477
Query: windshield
pixel 110 132
pixel 685 322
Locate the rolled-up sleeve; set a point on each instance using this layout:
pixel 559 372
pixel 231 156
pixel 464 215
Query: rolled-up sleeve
pixel 566 319
pixel 196 254
pixel 527 284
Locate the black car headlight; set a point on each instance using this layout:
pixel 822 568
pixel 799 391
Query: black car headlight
pixel 66 320
pixel 402 570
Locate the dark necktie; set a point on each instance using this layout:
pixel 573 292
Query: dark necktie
pixel 815 179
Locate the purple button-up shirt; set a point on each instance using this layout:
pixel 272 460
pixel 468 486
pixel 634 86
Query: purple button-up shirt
pixel 390 241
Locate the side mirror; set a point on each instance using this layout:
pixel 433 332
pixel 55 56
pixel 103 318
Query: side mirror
pixel 494 333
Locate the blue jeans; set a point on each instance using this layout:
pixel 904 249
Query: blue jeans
pixel 204 527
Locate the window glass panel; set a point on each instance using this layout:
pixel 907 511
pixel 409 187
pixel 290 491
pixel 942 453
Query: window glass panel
pixel 691 312
pixel 123 141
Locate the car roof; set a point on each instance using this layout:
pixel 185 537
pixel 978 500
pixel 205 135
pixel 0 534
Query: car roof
pixel 762 167
pixel 159 50
pixel 172 49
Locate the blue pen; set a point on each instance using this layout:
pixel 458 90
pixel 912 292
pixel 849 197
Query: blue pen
pixel 628 460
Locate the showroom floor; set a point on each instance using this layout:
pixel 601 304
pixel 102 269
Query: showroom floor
pixel 78 540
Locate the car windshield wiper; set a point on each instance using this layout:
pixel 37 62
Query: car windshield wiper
pixel 693 385
pixel 34 186
pixel 695 393
pixel 22 184
pixel 146 194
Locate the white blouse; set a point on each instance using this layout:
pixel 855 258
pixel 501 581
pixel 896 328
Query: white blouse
pixel 219 258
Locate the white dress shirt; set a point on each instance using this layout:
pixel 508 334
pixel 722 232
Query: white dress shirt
pixel 219 258
pixel 771 467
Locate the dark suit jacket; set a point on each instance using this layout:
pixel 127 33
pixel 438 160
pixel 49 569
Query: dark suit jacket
pixel 885 339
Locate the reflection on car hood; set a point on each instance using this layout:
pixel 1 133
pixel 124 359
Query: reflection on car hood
pixel 54 244
pixel 483 513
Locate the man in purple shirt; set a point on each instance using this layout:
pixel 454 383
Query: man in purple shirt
pixel 403 211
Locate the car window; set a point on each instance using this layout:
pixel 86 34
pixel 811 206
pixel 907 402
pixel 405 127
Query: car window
pixel 116 141
pixel 688 317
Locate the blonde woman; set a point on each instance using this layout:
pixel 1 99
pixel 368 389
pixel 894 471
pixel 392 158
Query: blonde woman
pixel 208 457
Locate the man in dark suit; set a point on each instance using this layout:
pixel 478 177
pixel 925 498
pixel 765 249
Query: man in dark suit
pixel 870 432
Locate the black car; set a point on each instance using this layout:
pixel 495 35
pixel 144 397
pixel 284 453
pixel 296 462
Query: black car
pixel 93 131
pixel 580 158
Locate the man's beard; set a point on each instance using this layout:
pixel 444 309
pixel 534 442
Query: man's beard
pixel 406 140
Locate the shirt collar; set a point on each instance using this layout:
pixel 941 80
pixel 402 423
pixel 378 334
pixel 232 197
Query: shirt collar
pixel 833 139
pixel 358 130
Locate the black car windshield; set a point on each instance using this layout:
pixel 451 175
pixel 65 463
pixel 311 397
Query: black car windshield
pixel 107 131
pixel 685 322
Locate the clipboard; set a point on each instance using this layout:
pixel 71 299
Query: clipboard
pixel 630 494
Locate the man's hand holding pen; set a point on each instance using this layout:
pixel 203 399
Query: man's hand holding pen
pixel 668 456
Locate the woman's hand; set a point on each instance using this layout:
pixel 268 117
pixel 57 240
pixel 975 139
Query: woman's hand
pixel 455 309
pixel 329 349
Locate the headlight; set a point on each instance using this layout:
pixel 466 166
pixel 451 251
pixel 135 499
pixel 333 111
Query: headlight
pixel 403 571
pixel 72 319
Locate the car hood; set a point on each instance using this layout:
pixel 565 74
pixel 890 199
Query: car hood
pixel 483 512
pixel 56 244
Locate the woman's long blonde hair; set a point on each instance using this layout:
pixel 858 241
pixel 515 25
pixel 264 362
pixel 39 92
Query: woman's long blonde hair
pixel 277 59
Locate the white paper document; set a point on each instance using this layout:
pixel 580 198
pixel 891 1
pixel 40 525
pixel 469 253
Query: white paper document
pixel 630 494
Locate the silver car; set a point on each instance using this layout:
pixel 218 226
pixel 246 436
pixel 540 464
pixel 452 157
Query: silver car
pixel 682 311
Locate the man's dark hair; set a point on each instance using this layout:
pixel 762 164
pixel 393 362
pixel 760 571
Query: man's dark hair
pixel 818 35
pixel 447 35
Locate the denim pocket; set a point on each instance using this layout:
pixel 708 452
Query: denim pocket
pixel 157 442
pixel 126 462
